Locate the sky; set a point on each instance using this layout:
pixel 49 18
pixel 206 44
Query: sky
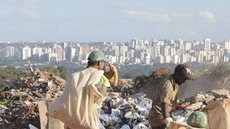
pixel 114 20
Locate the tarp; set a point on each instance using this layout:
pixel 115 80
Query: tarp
pixel 218 114
pixel 77 107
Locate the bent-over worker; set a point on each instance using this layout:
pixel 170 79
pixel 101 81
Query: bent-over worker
pixel 165 97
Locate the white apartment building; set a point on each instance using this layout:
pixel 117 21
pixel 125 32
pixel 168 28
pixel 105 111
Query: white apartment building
pixel 37 51
pixel 176 59
pixel 227 45
pixel 188 46
pixel 207 44
pixel 9 51
pixel 26 52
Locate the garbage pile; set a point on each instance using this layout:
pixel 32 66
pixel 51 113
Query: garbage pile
pixel 19 108
pixel 127 113
pixel 197 103
pixel 132 111
pixel 146 84
pixel 161 73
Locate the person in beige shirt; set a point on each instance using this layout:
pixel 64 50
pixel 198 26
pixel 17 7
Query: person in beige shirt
pixel 165 97
pixel 84 92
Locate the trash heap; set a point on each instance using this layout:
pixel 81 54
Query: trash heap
pixel 197 103
pixel 125 113
pixel 161 73
pixel 19 107
pixel 145 83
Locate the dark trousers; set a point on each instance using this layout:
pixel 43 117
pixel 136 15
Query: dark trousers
pixel 159 127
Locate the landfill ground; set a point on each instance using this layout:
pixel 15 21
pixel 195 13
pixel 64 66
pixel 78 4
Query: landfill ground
pixel 125 109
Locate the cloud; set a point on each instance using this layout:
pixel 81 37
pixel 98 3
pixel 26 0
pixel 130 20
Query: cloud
pixel 208 16
pixel 181 15
pixel 149 16
pixel 29 14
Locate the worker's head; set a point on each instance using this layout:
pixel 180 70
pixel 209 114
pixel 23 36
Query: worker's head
pixel 97 59
pixel 182 73
pixel 107 68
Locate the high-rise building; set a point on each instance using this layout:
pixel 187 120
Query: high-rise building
pixel 115 50
pixel 53 57
pixel 18 53
pixel 176 59
pixel 37 51
pixel 207 44
pixel 26 52
pixel 166 51
pixel 219 53
pixel 70 53
pixel 168 59
pixel 134 43
pixel 188 46
pixel 172 51
pixel 147 59
pixel 9 52
pixel 227 45
pixel 180 44
pixel 185 58
pixel 193 59
pixel 79 52
pixel 59 53
pixel 123 49
pixel 156 50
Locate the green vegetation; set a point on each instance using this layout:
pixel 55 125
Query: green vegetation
pixel 60 71
pixel 9 73
pixel 52 69
pixel 63 71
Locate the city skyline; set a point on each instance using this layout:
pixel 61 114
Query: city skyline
pixel 123 53
pixel 87 21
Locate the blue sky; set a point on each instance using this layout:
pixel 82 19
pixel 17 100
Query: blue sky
pixel 114 20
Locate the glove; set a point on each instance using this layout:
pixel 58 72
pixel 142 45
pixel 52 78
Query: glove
pixel 167 121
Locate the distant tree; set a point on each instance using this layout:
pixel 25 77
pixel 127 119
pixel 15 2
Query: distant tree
pixel 53 70
pixel 63 71
pixel 8 74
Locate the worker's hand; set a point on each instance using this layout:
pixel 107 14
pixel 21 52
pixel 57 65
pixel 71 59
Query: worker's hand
pixel 180 106
pixel 167 121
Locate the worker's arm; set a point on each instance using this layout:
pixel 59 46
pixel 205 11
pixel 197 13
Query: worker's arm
pixel 101 87
pixel 103 90
pixel 166 102
pixel 165 110
pixel 166 114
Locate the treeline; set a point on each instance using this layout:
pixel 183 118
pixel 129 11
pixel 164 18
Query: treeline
pixel 60 71
pixel 10 73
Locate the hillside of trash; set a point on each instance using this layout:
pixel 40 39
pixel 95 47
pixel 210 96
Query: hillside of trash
pixel 126 109
pixel 19 108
